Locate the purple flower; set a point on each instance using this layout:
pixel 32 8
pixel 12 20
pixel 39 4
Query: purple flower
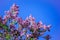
pixel 40 24
pixel 28 25
pixel 0 19
pixel 31 18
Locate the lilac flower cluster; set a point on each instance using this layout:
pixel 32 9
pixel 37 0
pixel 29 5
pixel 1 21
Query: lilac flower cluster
pixel 28 29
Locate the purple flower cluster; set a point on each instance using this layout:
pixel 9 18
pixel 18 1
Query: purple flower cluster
pixel 27 28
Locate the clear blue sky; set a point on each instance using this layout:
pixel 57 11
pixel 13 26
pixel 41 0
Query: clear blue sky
pixel 48 11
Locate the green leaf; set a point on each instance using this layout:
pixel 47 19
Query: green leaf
pixel 31 38
pixel 0 34
pixel 4 26
pixel 8 36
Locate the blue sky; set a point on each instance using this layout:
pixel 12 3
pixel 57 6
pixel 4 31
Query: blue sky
pixel 48 11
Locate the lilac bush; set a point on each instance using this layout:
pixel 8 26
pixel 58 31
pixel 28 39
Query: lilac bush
pixel 27 29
